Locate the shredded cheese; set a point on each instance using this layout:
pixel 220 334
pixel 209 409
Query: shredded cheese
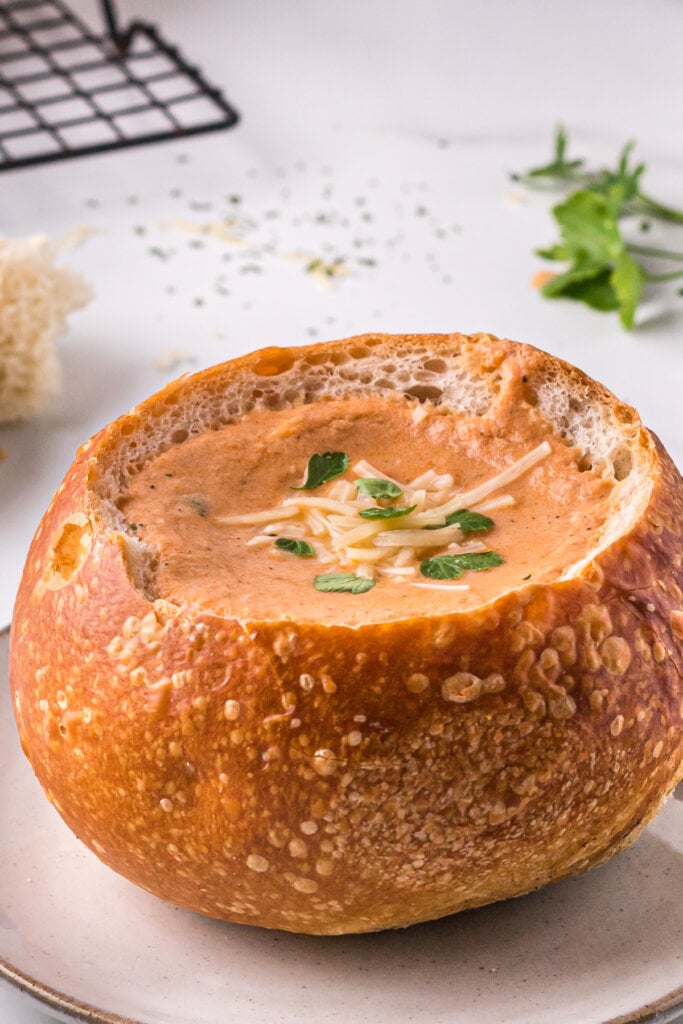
pixel 418 538
pixel 505 501
pixel 259 540
pixel 364 469
pixel 387 548
pixel 437 515
pixel 327 504
pixel 442 586
pixel 254 518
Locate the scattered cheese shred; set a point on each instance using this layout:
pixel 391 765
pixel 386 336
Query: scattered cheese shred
pixel 254 518
pixel 442 586
pixel 505 501
pixel 364 469
pixel 386 548
pixel 418 538
pixel 328 504
pixel 477 494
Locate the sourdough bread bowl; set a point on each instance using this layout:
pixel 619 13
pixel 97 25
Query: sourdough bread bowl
pixel 494 706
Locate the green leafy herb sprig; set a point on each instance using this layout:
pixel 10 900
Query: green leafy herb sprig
pixel 469 522
pixel 342 582
pixel 378 488
pixel 323 468
pixel 295 547
pixel 451 567
pixel 386 513
pixel 603 271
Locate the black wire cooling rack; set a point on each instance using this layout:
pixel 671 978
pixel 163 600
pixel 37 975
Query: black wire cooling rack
pixel 67 91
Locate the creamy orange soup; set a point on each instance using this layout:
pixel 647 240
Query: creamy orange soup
pixel 550 516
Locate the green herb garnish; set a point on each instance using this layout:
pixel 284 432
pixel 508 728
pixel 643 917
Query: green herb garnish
pixel 379 488
pixel 559 167
pixel 322 468
pixel 200 506
pixel 329 268
pixel 295 547
pixel 386 513
pixel 469 522
pixel 343 582
pixel 603 272
pixel 451 567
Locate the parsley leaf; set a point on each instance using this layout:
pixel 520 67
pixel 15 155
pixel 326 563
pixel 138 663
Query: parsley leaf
pixel 343 582
pixel 323 468
pixel 451 567
pixel 386 513
pixel 200 506
pixel 378 488
pixel 585 284
pixel 588 227
pixel 442 567
pixel 295 547
pixel 469 522
pixel 603 272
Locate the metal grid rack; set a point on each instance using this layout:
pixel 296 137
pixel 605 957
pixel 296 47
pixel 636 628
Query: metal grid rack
pixel 67 91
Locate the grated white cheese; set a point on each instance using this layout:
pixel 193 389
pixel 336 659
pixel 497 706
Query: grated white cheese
pixel 505 501
pixel 254 518
pixel 477 494
pixel 418 538
pixel 364 468
pixel 259 540
pixel 390 570
pixel 386 548
pixel 442 586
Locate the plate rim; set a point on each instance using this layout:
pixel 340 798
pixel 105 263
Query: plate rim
pixel 60 1001
pixel 86 1013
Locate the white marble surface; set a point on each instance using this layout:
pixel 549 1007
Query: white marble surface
pixel 380 132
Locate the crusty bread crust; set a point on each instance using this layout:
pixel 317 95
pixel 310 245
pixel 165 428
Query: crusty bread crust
pixel 455 795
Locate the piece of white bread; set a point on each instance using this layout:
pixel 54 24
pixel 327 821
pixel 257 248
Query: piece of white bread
pixel 36 296
pixel 313 777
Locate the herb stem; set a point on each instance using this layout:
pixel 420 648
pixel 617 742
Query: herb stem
pixel 672 276
pixel 660 210
pixel 648 250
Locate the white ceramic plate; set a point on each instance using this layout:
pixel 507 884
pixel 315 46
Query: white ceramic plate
pixel 603 947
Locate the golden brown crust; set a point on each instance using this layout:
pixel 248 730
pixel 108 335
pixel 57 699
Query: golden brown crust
pixel 329 779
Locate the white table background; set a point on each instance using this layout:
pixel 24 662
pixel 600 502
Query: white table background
pixel 378 131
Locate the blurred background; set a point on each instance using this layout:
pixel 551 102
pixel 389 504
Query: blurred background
pixel 366 187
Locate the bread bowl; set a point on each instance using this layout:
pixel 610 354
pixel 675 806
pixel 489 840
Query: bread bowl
pixel 232 735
